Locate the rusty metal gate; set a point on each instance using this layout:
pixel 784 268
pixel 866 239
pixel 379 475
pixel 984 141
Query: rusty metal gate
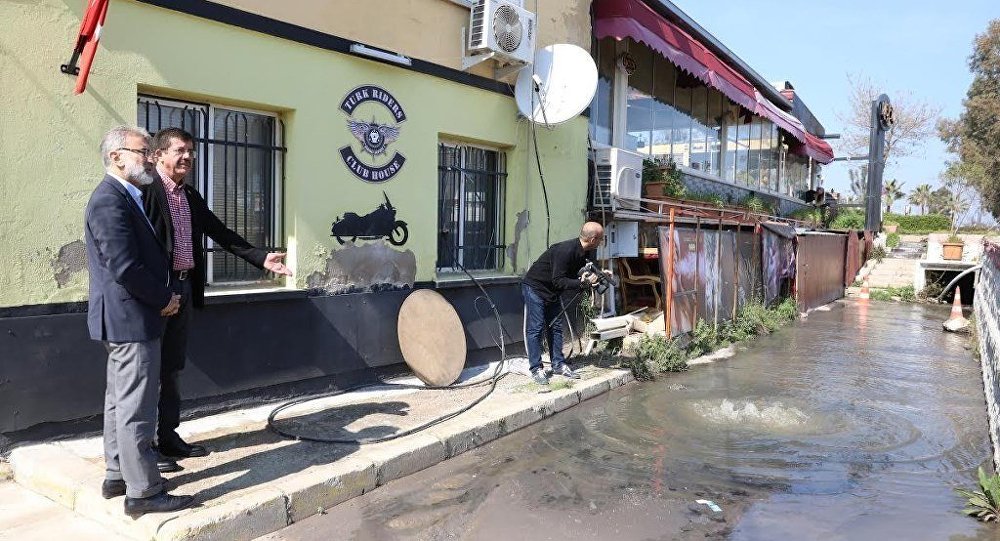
pixel 819 274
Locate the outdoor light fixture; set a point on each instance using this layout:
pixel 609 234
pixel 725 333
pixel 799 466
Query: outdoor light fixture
pixel 358 48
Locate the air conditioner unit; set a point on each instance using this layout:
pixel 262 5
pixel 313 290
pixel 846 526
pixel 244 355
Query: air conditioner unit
pixel 504 28
pixel 619 173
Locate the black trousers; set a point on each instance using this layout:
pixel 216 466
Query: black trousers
pixel 174 355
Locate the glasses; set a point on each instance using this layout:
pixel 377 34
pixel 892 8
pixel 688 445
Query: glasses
pixel 191 153
pixel 144 152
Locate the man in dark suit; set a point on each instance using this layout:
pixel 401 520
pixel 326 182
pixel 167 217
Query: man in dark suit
pixel 181 218
pixel 130 298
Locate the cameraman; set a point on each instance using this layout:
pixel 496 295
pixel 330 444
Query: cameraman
pixel 554 273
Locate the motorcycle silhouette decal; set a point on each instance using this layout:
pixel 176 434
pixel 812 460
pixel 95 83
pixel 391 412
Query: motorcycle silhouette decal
pixel 374 136
pixel 377 224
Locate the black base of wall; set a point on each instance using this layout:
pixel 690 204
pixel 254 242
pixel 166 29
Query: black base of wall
pixel 52 376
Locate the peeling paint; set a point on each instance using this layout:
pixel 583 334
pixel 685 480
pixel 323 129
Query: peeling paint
pixel 363 268
pixel 523 218
pixel 71 258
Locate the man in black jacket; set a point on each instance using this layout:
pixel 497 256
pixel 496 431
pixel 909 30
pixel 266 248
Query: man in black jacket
pixel 181 218
pixel 554 273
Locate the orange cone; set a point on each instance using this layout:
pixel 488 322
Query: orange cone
pixel 864 289
pixel 956 307
pixel 956 321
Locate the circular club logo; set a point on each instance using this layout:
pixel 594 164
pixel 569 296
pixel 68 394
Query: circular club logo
pixel 373 117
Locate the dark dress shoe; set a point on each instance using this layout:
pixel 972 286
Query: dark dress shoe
pixel 178 448
pixel 161 503
pixel 112 489
pixel 167 465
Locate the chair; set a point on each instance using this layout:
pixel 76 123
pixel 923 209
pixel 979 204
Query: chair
pixel 629 279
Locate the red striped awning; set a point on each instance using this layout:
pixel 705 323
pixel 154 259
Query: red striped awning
pixel 634 19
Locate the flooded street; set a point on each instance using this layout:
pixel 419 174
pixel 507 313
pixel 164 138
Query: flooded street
pixel 856 424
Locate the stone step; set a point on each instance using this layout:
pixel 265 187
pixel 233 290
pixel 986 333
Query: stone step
pixel 27 516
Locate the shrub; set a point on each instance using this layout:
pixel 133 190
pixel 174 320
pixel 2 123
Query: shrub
pixel 659 353
pixel 755 204
pixel 880 295
pixel 930 291
pixel 892 240
pixel 849 219
pixel 878 254
pixel 920 224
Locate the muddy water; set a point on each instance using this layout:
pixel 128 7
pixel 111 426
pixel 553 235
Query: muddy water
pixel 854 425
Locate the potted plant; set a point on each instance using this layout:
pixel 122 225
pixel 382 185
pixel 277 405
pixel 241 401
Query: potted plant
pixel 890 226
pixel 654 178
pixel 951 249
pixel 661 179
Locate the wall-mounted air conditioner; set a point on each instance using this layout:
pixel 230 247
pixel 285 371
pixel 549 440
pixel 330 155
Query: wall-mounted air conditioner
pixel 619 173
pixel 504 28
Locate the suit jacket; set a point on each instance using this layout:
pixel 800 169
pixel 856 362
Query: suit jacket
pixel 203 222
pixel 129 272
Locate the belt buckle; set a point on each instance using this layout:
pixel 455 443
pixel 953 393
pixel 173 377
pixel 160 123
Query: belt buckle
pixel 182 275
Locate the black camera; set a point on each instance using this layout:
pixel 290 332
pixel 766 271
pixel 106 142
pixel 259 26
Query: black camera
pixel 603 280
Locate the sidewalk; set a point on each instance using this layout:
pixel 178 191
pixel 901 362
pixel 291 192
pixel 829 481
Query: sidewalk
pixel 255 482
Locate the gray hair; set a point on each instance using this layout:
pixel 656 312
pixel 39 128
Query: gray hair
pixel 115 139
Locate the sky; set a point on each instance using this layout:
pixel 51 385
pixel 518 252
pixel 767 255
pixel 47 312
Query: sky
pixel 920 46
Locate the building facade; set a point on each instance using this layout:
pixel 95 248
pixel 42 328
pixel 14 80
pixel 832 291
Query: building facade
pixel 281 99
pixel 348 134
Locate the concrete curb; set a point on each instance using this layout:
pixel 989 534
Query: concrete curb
pixel 54 471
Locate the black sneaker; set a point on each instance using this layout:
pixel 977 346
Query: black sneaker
pixel 566 372
pixel 538 375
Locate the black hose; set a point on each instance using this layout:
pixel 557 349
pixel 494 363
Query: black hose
pixel 494 379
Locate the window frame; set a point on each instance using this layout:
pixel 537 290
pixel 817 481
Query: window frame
pixel 206 171
pixel 498 213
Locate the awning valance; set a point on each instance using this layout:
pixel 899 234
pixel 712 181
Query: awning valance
pixel 636 20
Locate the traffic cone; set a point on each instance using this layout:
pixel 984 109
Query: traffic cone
pixel 956 321
pixel 864 289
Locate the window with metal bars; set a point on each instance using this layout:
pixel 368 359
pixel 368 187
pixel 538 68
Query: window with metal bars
pixel 238 170
pixel 470 207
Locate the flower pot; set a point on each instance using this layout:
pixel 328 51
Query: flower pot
pixel 952 251
pixel 653 189
pixel 890 228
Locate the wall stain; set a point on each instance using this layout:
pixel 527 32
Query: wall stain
pixel 364 268
pixel 523 219
pixel 72 258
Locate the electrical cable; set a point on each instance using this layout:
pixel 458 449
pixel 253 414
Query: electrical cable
pixel 498 375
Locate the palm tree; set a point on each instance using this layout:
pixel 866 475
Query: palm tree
pixel 921 196
pixel 891 192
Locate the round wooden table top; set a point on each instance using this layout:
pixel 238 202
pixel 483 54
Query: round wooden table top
pixel 431 337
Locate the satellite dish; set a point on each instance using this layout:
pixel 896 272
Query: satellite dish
pixel 558 86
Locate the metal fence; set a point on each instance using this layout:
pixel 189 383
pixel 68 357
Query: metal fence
pixel 986 307
pixel 470 207
pixel 239 171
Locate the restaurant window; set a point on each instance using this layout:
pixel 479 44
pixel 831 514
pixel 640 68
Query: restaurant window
pixel 713 125
pixel 665 116
pixel 602 108
pixel 471 183
pixel 639 102
pixel 238 169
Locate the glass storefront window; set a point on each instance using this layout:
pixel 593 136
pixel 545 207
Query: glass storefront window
pixel 639 101
pixel 671 114
pixel 713 122
pixel 602 108
pixel 665 116
pixel 743 150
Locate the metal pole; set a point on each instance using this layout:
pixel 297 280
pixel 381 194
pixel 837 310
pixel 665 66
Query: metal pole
pixel 669 278
pixel 736 273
